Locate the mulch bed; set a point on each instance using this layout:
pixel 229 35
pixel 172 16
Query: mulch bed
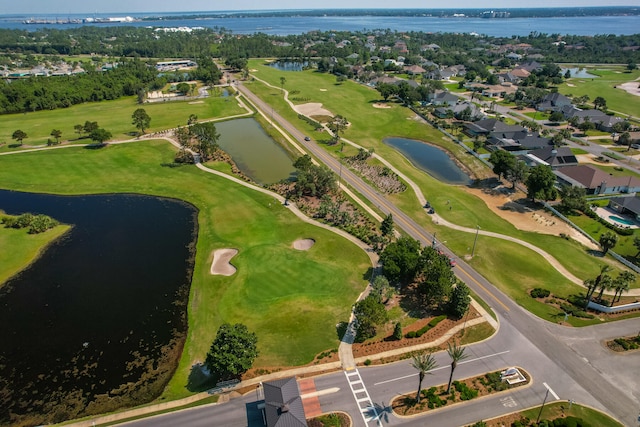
pixel 388 343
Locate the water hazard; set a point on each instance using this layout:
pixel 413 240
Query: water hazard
pixel 98 321
pixel 255 153
pixel 430 159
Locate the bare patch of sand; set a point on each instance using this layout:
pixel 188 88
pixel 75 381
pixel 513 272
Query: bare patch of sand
pixel 323 90
pixel 571 85
pixel 196 102
pixel 588 158
pixel 303 244
pixel 630 87
pixel 220 264
pixel 313 109
pixel 253 70
pixel 501 201
pixel 380 105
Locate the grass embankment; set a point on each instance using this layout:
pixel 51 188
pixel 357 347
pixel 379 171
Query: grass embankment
pixel 114 116
pixel 605 86
pixel 22 248
pixel 555 410
pixel 511 267
pixel 291 299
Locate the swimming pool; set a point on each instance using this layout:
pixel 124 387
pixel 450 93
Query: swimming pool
pixel 621 220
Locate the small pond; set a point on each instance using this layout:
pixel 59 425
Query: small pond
pixel 430 159
pixel 580 73
pixel 289 65
pixel 100 318
pixel 255 153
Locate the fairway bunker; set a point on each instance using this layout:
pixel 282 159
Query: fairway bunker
pixel 303 244
pixel 220 264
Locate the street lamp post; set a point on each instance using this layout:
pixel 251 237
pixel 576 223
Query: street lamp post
pixel 542 407
pixel 473 251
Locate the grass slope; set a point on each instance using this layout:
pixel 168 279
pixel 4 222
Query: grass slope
pixel 291 299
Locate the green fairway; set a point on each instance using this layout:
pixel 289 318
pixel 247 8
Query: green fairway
pixel 511 267
pixel 22 248
pixel 291 299
pixel 605 86
pixel 114 116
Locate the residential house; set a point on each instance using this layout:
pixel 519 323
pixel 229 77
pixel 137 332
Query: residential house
pixel 414 70
pixel 554 157
pixel 283 404
pixel 498 91
pixel 553 102
pixel 596 181
pixel 514 56
pixel 492 127
pixel 626 205
pixel 459 112
pixel 602 121
pixel 521 142
pixel 443 98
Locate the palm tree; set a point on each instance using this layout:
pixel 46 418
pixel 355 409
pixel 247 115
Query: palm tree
pixel 608 240
pixel 621 284
pixel 592 284
pixel 456 354
pixel 605 284
pixel 423 362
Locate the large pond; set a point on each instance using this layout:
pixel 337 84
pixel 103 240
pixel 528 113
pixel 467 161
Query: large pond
pixel 255 153
pixel 580 73
pixel 430 159
pixel 99 320
pixel 284 65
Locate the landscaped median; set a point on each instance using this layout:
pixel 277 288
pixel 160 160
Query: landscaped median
pixel 462 390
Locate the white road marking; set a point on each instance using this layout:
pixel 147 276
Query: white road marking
pixel 443 367
pixel 368 410
pixel 508 402
pixel 553 393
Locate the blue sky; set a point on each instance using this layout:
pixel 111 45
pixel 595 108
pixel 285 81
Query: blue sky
pixel 36 7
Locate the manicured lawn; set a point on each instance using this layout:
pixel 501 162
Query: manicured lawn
pixel 604 86
pixel 22 248
pixel 511 267
pixel 114 116
pixel 291 299
pixel 577 151
pixel 556 410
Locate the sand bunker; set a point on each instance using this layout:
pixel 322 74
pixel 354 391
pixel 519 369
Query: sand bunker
pixel 220 264
pixel 631 87
pixel 524 218
pixel 313 109
pixel 196 102
pixel 303 244
pixel 323 90
pixel 380 105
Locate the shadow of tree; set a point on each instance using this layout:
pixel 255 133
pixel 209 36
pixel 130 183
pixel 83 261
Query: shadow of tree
pixel 383 411
pixel 200 379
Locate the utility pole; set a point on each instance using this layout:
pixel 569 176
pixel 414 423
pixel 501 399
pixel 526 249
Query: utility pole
pixel 473 251
pixel 542 407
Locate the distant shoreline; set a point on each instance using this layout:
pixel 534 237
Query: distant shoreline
pixel 489 13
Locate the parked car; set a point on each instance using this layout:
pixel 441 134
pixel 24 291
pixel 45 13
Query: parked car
pixel 306 138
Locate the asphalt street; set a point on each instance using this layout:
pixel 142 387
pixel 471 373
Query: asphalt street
pixel 571 361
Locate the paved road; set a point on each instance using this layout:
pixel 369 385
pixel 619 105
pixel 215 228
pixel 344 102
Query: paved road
pixel 550 353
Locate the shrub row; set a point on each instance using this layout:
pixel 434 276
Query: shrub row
pixel 627 345
pixel 621 231
pixel 576 312
pixel 466 393
pixel 420 332
pixel 35 223
pixel 540 293
pixel 312 122
pixel 433 399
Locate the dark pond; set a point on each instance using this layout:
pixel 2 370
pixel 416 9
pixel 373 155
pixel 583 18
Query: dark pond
pixel 289 65
pixel 102 311
pixel 255 153
pixel 430 159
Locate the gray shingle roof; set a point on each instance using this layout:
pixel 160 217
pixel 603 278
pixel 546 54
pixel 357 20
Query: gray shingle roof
pixel 283 404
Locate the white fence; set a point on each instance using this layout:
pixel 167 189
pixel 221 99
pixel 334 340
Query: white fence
pixel 603 308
